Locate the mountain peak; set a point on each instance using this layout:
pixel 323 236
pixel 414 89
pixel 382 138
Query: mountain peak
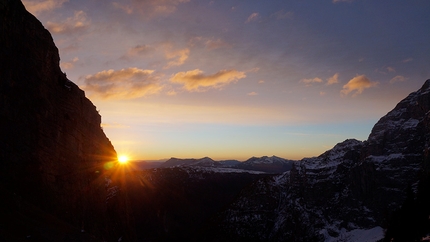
pixel 426 85
pixel 401 122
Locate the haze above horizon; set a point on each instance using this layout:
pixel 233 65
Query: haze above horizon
pixel 236 79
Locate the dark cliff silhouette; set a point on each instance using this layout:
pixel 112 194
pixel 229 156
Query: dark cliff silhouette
pixel 53 152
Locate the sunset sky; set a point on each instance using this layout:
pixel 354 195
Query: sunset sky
pixel 232 79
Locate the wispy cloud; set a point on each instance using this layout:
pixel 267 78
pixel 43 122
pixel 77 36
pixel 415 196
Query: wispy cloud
pixel 212 44
pixel 126 8
pixel 398 79
pixel 282 14
pixel 73 24
pixel 333 80
pixel 253 17
pixel 176 57
pixel 385 70
pixel 69 64
pixel 407 60
pixel 209 43
pixel 138 50
pixel 391 69
pixel 72 47
pixel 357 84
pixel 196 80
pixel 171 93
pixel 150 8
pixel 35 7
pixel 252 94
pixel 122 84
pixel 339 1
pixel 310 81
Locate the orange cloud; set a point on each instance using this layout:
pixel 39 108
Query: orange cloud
pixel 209 43
pixel 309 82
pixel 333 80
pixel 122 84
pixel 252 94
pixel 150 8
pixel 171 93
pixel 69 64
pixel 177 57
pixel 195 80
pixel 126 8
pixel 36 7
pixel 212 44
pixel 357 84
pixel 398 79
pixel 138 50
pixel 76 23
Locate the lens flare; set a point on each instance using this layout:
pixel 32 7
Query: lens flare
pixel 122 159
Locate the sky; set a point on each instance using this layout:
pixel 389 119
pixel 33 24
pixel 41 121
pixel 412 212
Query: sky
pixel 232 79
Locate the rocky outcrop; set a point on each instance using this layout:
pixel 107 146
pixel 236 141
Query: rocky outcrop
pixel 354 187
pixel 53 152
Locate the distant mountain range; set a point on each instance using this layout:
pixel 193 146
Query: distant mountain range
pixel 265 164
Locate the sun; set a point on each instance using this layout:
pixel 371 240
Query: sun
pixel 123 159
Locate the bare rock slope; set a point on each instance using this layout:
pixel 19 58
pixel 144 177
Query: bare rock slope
pixel 52 148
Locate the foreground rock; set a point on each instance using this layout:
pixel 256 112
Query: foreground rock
pixel 53 152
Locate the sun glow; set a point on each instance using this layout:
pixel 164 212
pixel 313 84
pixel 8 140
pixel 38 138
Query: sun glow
pixel 122 159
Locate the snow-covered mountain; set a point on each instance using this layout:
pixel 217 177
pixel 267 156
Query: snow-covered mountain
pixel 262 164
pixel 350 192
pixel 271 164
pixel 202 162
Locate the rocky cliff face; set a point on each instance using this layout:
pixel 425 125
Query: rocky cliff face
pixel 53 151
pixel 350 190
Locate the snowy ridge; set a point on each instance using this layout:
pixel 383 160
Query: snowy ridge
pixel 333 157
pixel 202 169
pixel 404 117
pixel 309 195
pixel 206 162
pixel 345 193
pixel 323 167
pixel 265 164
pixel 176 162
pixel 265 160
pixel 356 235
